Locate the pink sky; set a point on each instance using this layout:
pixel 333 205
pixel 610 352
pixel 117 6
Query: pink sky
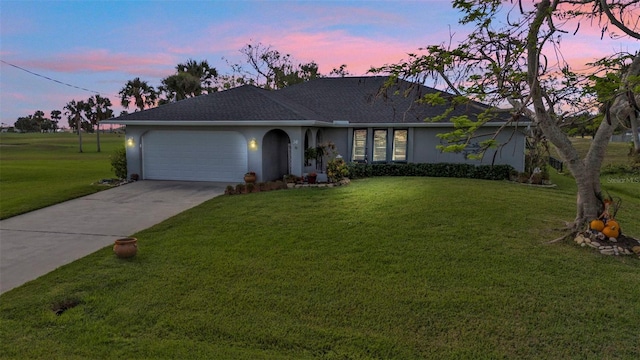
pixel 99 45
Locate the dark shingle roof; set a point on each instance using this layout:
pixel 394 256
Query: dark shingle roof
pixel 353 99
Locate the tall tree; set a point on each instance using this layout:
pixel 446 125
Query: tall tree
pixel 56 116
pixel 25 124
pixel 39 119
pixel 191 79
pixel 503 62
pixel 202 71
pixel 270 69
pixel 36 122
pixel 142 94
pixel 340 71
pixel 98 108
pixel 75 114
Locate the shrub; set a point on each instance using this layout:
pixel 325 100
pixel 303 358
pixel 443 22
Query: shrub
pixel 619 169
pixel 290 178
pixel 336 170
pixel 486 172
pixel 119 162
pixel 279 185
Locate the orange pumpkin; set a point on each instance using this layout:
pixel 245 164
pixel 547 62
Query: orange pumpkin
pixel 596 225
pixel 612 223
pixel 611 231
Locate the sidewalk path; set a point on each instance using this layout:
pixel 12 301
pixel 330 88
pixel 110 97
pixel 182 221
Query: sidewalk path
pixel 40 241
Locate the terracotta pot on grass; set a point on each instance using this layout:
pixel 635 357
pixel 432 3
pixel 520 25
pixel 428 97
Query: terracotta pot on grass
pixel 126 247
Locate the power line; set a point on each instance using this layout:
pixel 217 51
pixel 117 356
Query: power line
pixel 50 79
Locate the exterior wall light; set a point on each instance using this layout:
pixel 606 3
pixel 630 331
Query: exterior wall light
pixel 253 144
pixel 130 142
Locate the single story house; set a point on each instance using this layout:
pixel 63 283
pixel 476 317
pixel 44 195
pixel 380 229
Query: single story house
pixel 223 135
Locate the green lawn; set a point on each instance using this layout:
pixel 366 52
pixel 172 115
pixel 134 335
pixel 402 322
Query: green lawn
pixel 385 268
pixel 404 268
pixel 38 170
pixel 617 152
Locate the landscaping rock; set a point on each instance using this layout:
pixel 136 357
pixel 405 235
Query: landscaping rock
pixel 623 245
pixel 607 251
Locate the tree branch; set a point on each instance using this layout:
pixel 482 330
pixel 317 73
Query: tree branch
pixel 607 11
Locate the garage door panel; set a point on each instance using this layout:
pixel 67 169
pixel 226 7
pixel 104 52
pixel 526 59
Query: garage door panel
pixel 194 155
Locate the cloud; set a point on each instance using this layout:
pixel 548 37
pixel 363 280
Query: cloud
pixel 104 61
pixel 330 49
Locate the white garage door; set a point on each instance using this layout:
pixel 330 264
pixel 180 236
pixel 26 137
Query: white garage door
pixel 194 155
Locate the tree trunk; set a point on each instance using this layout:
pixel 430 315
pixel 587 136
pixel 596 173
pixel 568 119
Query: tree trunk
pixel 98 134
pixel 78 123
pixel 587 171
pixel 635 123
pixel 589 201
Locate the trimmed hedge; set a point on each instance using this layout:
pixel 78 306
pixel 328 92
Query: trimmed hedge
pixel 485 172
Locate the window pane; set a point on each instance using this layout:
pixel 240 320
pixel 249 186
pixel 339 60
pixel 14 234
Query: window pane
pixel 359 145
pixel 380 145
pixel 400 145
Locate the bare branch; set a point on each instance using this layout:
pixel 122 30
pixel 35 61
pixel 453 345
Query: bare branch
pixel 605 8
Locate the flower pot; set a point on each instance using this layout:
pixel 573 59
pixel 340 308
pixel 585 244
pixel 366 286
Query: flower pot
pixel 312 179
pixel 126 247
pixel 250 178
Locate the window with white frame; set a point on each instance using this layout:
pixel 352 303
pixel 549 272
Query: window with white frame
pixel 359 145
pixel 399 145
pixel 379 145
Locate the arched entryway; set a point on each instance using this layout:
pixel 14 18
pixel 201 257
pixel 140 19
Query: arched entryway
pixel 276 155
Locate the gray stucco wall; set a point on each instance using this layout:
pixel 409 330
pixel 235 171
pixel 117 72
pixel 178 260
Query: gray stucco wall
pixel 421 145
pixel 425 140
pixel 256 157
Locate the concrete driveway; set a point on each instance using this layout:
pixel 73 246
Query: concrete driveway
pixel 38 242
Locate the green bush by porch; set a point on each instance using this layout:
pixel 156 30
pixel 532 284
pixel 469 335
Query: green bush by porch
pixel 483 172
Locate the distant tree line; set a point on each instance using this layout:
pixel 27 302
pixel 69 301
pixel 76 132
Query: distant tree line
pixel 38 122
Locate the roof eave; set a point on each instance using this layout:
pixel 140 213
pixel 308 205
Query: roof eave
pixel 243 123
pixel 312 123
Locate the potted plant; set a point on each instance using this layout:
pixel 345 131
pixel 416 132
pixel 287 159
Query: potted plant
pixel 250 177
pixel 311 177
pixel 310 154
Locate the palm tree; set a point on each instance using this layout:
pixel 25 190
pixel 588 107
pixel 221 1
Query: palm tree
pixel 98 109
pixel 191 79
pixel 179 87
pixel 74 111
pixel 202 71
pixel 140 91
